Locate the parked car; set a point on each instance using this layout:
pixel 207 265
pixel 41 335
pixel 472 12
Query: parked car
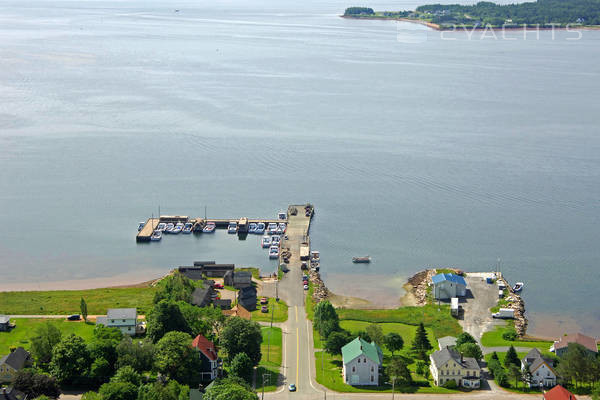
pixel 74 317
pixel 305 282
pixel 304 277
pixel 264 300
pixel 305 287
pixel 292 387
pixel 264 309
pixel 219 286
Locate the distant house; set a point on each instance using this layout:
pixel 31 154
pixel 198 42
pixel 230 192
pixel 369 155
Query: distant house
pixel 541 369
pixel 238 311
pixel 238 279
pixel 125 319
pixel 446 286
pixel 12 363
pixel 361 362
pixel 223 304
pixel 247 298
pixel 11 394
pixel 559 393
pixel 448 364
pixel 202 297
pixel 208 355
pixel 561 345
pixel 4 323
pixel 446 341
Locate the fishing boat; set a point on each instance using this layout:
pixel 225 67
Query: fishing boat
pixel 281 228
pixel 161 227
pixel 156 236
pixel 272 228
pixel 518 287
pixel 232 228
pixel 361 260
pixel 187 229
pixel 274 252
pixel 178 228
pixel 266 241
pixel 275 240
pixel 170 227
pixel 209 227
pixel 315 256
pixel 252 228
pixel 260 228
pixel 141 225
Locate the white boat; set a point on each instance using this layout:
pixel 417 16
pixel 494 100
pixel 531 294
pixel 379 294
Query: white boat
pixel 187 229
pixel 266 241
pixel 178 228
pixel 161 227
pixel 518 287
pixel 141 225
pixel 232 228
pixel 260 228
pixel 156 236
pixel 209 227
pixel 252 228
pixel 170 227
pixel 272 228
pixel 275 239
pixel 282 227
pixel 315 256
pixel 274 252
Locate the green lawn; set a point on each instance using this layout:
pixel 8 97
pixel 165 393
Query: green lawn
pixel 521 388
pixel 494 339
pixel 271 358
pixel 440 322
pixel 67 301
pixel 308 302
pixel 280 311
pixel 330 376
pixel 25 330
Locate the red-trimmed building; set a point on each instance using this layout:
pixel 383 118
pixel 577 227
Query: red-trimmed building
pixel 559 393
pixel 208 355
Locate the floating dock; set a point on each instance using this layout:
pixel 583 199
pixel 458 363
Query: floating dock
pixel 146 232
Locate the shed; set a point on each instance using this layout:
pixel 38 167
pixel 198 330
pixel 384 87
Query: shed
pixel 446 286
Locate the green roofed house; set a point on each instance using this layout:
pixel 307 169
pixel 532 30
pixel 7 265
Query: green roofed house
pixel 362 361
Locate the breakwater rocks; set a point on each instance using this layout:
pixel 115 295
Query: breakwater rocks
pixel 320 291
pixel 418 284
pixel 516 303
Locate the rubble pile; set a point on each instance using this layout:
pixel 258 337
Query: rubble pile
pixel 320 291
pixel 419 283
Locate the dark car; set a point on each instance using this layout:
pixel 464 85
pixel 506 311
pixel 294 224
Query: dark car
pixel 74 317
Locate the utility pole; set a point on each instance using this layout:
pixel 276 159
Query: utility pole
pixel 393 384
pixel 263 385
pixel 270 330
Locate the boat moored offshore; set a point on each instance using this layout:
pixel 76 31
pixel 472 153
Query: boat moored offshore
pixel 361 260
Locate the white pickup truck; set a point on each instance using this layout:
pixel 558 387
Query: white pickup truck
pixel 508 313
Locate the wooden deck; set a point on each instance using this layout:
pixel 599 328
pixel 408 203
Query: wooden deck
pixel 146 232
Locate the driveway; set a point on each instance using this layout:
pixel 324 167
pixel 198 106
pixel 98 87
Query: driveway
pixel 481 296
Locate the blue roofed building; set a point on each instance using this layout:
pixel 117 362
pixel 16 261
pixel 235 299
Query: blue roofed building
pixel 446 286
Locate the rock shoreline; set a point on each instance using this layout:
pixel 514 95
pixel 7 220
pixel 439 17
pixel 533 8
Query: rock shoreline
pixel 516 303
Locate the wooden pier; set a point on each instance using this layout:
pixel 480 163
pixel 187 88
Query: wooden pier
pixel 146 232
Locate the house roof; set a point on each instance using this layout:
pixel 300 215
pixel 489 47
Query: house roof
pixel 448 277
pixel 559 393
pixel 359 347
pixel 249 291
pixel 121 313
pixel 102 321
pixel 535 360
pixel 16 359
pixel 205 346
pixel 441 357
pixel 446 341
pixel 201 295
pixel 586 341
pixel 4 319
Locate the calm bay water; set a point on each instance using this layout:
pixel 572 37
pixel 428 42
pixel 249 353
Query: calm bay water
pixel 437 153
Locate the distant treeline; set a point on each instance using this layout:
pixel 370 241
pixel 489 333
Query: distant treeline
pixel 359 11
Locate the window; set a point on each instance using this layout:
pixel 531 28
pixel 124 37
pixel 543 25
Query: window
pixel 129 328
pixel 371 368
pixel 123 320
pixel 359 360
pixel 365 360
pixel 112 321
pixel 371 378
pixel 353 369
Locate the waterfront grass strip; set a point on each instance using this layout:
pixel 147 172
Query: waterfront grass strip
pixel 280 311
pixel 63 302
pixel 494 339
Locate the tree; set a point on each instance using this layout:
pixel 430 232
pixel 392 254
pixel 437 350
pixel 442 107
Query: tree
pixel 421 367
pixel 510 335
pixel 242 367
pixel 326 319
pixel 205 321
pixel 471 350
pixel 176 358
pixel 241 336
pixel 526 375
pixel 495 356
pixel 576 364
pixel 83 309
pixel 159 391
pixel 173 288
pixel 463 338
pixel 229 389
pixel 118 391
pixel 100 370
pixel 393 342
pixel 165 317
pixel 511 358
pixel 70 360
pixel 364 336
pixel 127 374
pixel 335 342
pixel 91 396
pixel 47 336
pixel 376 334
pixel 138 354
pixel 514 372
pixel 398 372
pixel 35 385
pixel 421 342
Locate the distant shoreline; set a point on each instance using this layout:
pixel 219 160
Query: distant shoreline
pixel 459 28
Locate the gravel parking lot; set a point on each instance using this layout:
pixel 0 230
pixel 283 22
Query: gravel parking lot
pixel 481 296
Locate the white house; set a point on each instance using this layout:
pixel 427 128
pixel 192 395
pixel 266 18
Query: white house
pixel 541 369
pixel 447 286
pixel 361 362
pixel 123 318
pixel 448 364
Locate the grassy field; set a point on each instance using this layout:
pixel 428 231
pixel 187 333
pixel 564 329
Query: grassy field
pixel 273 353
pixel 279 315
pixel 440 322
pixel 26 329
pixel 494 339
pixel 67 301
pixel 330 376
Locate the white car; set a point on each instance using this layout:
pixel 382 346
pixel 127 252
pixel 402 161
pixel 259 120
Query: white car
pixel 305 287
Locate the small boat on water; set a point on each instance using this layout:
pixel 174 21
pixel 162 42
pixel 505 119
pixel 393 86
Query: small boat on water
pixel 260 228
pixel 232 228
pixel 361 260
pixel 274 252
pixel 281 228
pixel 275 240
pixel 281 215
pixel 170 227
pixel 161 227
pixel 187 229
pixel 209 227
pixel 315 256
pixel 178 228
pixel 266 241
pixel 518 287
pixel 272 228
pixel 141 225
pixel 252 228
pixel 156 236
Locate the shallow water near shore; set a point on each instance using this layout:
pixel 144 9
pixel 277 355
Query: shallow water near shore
pixel 443 152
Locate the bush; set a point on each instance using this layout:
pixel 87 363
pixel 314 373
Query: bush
pixel 451 384
pixel 510 335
